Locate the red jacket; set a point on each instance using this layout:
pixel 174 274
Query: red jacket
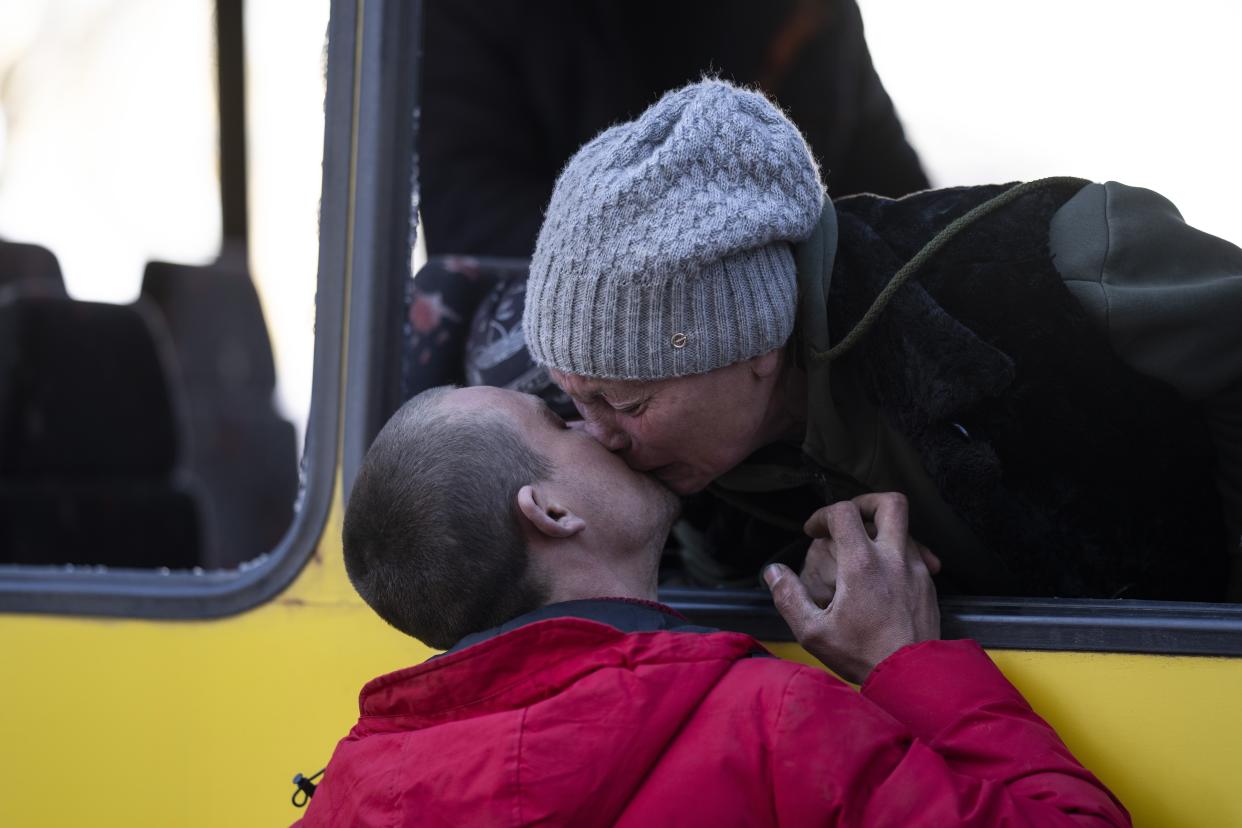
pixel 569 721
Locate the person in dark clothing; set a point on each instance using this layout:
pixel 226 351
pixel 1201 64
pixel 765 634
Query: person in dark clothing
pixel 1049 371
pixel 482 522
pixel 511 89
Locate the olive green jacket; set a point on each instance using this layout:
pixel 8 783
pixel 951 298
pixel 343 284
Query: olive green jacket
pixel 1167 297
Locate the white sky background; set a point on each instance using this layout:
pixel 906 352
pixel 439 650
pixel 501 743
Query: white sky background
pixel 95 91
pixel 989 90
pixel 1146 93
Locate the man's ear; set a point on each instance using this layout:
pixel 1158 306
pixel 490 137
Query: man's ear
pixel 765 365
pixel 546 515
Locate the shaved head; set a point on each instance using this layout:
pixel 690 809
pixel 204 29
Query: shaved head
pixel 433 542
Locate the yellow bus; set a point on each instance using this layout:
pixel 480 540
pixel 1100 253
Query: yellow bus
pixel 163 667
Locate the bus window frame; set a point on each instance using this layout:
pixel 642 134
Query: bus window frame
pixel 1010 623
pixel 367 89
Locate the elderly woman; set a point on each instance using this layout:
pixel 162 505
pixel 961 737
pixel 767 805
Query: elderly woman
pixel 1049 372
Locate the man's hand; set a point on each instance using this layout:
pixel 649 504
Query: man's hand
pixel 874 589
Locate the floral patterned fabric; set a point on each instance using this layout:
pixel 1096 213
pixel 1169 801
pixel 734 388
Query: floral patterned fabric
pixel 463 325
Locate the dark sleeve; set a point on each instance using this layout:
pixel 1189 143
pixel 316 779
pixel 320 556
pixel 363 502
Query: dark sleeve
pixel 937 737
pixel 1168 296
pixel 835 95
pixel 1169 299
pixel 483 180
pixel 878 159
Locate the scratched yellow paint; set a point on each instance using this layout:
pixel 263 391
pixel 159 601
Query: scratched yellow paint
pixel 146 723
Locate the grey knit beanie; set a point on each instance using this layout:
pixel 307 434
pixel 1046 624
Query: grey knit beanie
pixel 665 250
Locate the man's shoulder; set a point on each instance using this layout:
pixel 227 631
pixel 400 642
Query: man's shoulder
pixel 561 651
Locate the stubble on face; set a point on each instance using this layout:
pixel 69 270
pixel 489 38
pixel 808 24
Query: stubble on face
pixel 667 500
pixel 591 472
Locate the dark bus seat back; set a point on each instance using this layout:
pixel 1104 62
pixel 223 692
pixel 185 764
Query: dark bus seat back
pixel 86 392
pixel 90 439
pixel 28 269
pixel 242 453
pixel 216 323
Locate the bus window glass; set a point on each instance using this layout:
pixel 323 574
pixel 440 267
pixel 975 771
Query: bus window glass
pixel 159 185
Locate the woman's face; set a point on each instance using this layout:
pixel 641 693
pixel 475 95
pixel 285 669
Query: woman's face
pixel 686 431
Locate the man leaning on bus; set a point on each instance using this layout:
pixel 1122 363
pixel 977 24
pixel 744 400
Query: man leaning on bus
pixel 483 524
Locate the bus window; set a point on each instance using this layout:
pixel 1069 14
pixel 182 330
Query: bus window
pixel 159 187
pixel 492 140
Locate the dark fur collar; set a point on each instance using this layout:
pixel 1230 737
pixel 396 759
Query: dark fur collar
pixel 1033 431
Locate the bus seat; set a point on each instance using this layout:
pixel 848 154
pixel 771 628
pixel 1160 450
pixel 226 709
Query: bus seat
pixel 242 453
pixel 131 524
pixel 216 323
pixel 89 439
pixel 30 270
pixel 246 464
